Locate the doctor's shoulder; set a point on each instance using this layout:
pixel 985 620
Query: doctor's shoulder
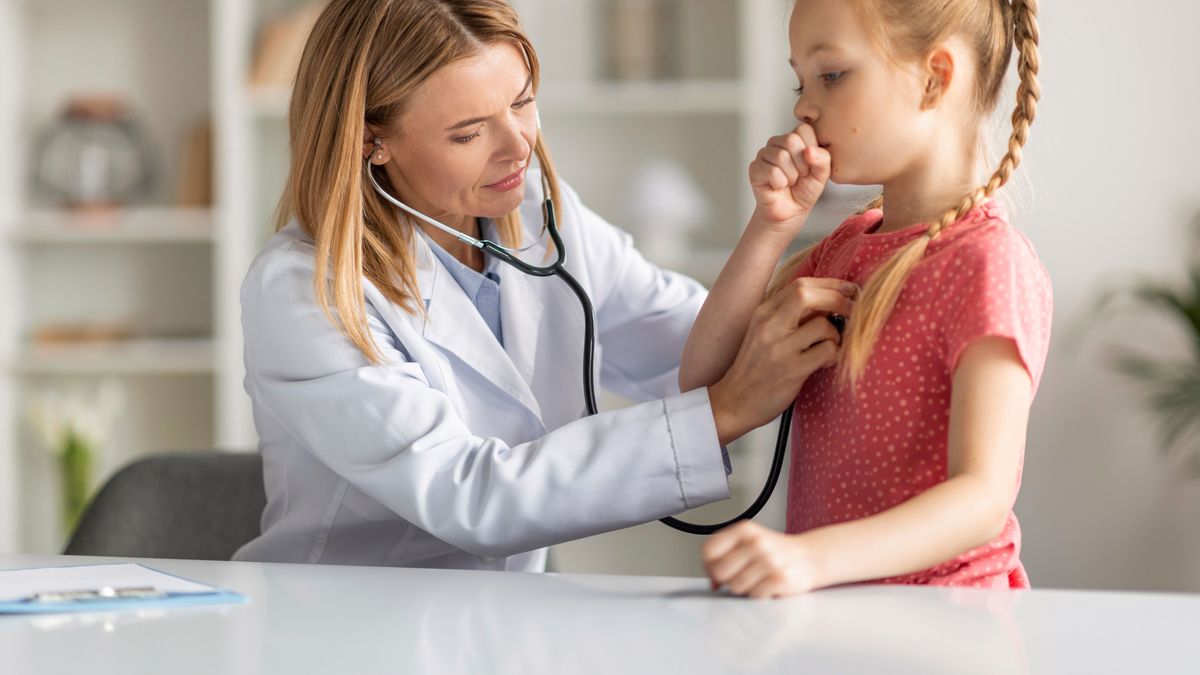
pixel 286 259
pixel 283 271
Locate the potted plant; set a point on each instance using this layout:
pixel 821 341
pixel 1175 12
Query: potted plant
pixel 73 425
pixel 1170 384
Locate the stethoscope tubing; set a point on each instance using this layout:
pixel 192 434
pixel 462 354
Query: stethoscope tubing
pixel 589 384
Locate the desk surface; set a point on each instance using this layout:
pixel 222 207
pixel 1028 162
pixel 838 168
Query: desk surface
pixel 320 619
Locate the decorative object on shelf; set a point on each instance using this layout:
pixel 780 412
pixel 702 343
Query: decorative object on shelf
pixel 280 45
pixel 641 39
pixel 78 332
pixel 195 186
pixel 1171 385
pixel 665 205
pixel 94 156
pixel 73 425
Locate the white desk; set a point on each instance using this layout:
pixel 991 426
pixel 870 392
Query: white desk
pixel 350 620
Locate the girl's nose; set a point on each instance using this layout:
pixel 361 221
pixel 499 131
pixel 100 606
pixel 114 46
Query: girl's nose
pixel 806 112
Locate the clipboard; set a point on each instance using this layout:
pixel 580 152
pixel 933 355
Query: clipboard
pixel 106 587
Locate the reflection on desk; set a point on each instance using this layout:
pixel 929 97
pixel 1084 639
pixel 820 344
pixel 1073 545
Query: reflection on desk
pixel 323 619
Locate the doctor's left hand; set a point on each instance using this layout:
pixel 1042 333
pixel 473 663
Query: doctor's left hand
pixel 758 562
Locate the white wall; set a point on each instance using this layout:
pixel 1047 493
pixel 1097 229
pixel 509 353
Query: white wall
pixel 1111 180
pixel 1115 175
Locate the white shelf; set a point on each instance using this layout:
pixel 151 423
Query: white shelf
pixel 663 97
pixel 167 356
pixel 138 225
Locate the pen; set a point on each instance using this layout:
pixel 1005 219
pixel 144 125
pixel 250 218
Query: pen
pixel 102 593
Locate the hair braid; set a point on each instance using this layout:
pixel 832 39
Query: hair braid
pixel 883 289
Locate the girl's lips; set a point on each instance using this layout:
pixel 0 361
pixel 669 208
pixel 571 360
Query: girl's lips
pixel 509 182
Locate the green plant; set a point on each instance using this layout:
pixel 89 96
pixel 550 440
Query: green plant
pixel 73 426
pixel 1171 385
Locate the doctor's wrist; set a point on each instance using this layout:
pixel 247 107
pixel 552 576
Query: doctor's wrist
pixel 729 425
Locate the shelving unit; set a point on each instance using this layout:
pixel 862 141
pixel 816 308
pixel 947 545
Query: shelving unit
pixel 169 274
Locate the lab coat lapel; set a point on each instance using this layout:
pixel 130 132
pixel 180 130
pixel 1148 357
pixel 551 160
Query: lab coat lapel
pixel 543 334
pixel 456 326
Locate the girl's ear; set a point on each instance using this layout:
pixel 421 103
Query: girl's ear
pixel 939 73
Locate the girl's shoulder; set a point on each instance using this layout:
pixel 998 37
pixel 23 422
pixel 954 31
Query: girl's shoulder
pixel 986 236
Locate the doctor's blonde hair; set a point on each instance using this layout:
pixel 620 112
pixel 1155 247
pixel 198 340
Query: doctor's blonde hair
pixel 908 30
pixel 362 62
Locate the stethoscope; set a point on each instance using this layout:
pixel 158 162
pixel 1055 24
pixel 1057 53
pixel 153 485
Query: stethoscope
pixel 509 255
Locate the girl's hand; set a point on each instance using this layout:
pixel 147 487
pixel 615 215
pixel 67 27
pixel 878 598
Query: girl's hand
pixel 758 562
pixel 788 176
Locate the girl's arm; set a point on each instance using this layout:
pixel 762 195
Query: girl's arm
pixel 989 413
pixel 787 177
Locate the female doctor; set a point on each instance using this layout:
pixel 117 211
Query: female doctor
pixel 418 401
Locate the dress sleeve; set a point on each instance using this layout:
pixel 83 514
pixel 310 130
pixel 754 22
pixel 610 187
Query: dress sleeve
pixel 995 286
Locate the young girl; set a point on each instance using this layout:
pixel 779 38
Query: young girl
pixel 907 454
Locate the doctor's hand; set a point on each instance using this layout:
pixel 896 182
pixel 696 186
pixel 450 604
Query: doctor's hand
pixel 758 562
pixel 789 337
pixel 788 176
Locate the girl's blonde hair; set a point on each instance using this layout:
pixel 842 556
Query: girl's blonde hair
pixel 362 62
pixel 907 29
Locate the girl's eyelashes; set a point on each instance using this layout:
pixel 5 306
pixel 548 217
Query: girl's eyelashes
pixel 522 103
pixel 827 78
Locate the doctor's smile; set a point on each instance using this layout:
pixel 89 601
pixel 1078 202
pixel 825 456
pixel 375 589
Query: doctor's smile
pixel 509 182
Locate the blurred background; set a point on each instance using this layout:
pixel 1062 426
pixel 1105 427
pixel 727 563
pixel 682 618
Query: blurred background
pixel 145 149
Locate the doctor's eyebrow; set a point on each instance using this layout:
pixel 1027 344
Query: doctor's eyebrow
pixel 477 120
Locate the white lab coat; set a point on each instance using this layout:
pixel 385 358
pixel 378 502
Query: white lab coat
pixel 460 453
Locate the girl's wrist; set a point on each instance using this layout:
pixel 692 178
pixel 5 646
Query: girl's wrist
pixel 814 558
pixel 785 229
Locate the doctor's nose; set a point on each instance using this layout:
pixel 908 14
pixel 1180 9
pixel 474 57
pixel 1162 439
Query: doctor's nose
pixel 514 145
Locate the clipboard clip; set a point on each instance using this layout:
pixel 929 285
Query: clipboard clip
pixel 102 593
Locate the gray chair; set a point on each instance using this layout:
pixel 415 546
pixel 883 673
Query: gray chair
pixel 199 505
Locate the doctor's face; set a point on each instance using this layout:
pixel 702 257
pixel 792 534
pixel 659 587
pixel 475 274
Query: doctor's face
pixel 461 148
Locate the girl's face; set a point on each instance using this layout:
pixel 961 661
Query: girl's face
pixel 462 146
pixel 865 109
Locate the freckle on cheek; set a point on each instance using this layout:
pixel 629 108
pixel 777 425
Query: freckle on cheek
pixel 854 130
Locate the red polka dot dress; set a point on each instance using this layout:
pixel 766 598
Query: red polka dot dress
pixel 858 453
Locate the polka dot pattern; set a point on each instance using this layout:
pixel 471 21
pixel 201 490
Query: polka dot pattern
pixel 857 453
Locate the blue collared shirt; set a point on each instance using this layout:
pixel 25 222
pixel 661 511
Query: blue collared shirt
pixel 482 289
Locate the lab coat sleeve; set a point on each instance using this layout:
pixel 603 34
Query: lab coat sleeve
pixel 388 432
pixel 643 312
